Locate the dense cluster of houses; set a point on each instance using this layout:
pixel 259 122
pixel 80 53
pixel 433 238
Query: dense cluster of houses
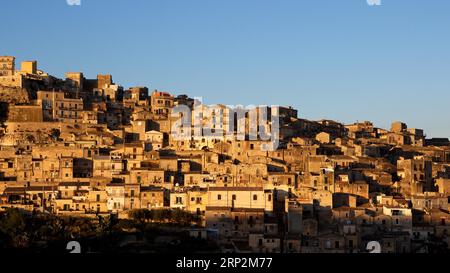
pixel 82 147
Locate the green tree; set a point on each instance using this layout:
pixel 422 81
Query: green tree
pixel 55 133
pixel 137 215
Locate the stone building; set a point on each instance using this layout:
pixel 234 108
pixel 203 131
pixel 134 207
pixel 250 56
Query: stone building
pixel 7 65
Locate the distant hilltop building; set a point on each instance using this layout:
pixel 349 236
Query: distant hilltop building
pixel 29 67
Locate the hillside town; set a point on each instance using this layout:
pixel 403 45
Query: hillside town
pixel 80 147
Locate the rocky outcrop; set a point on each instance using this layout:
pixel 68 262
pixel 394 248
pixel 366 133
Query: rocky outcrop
pixel 14 95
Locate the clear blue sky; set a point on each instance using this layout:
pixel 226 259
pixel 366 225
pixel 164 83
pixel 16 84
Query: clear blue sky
pixel 336 59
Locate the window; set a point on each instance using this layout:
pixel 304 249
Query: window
pixel 255 197
pixel 290 246
pixel 219 197
pixel 233 197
